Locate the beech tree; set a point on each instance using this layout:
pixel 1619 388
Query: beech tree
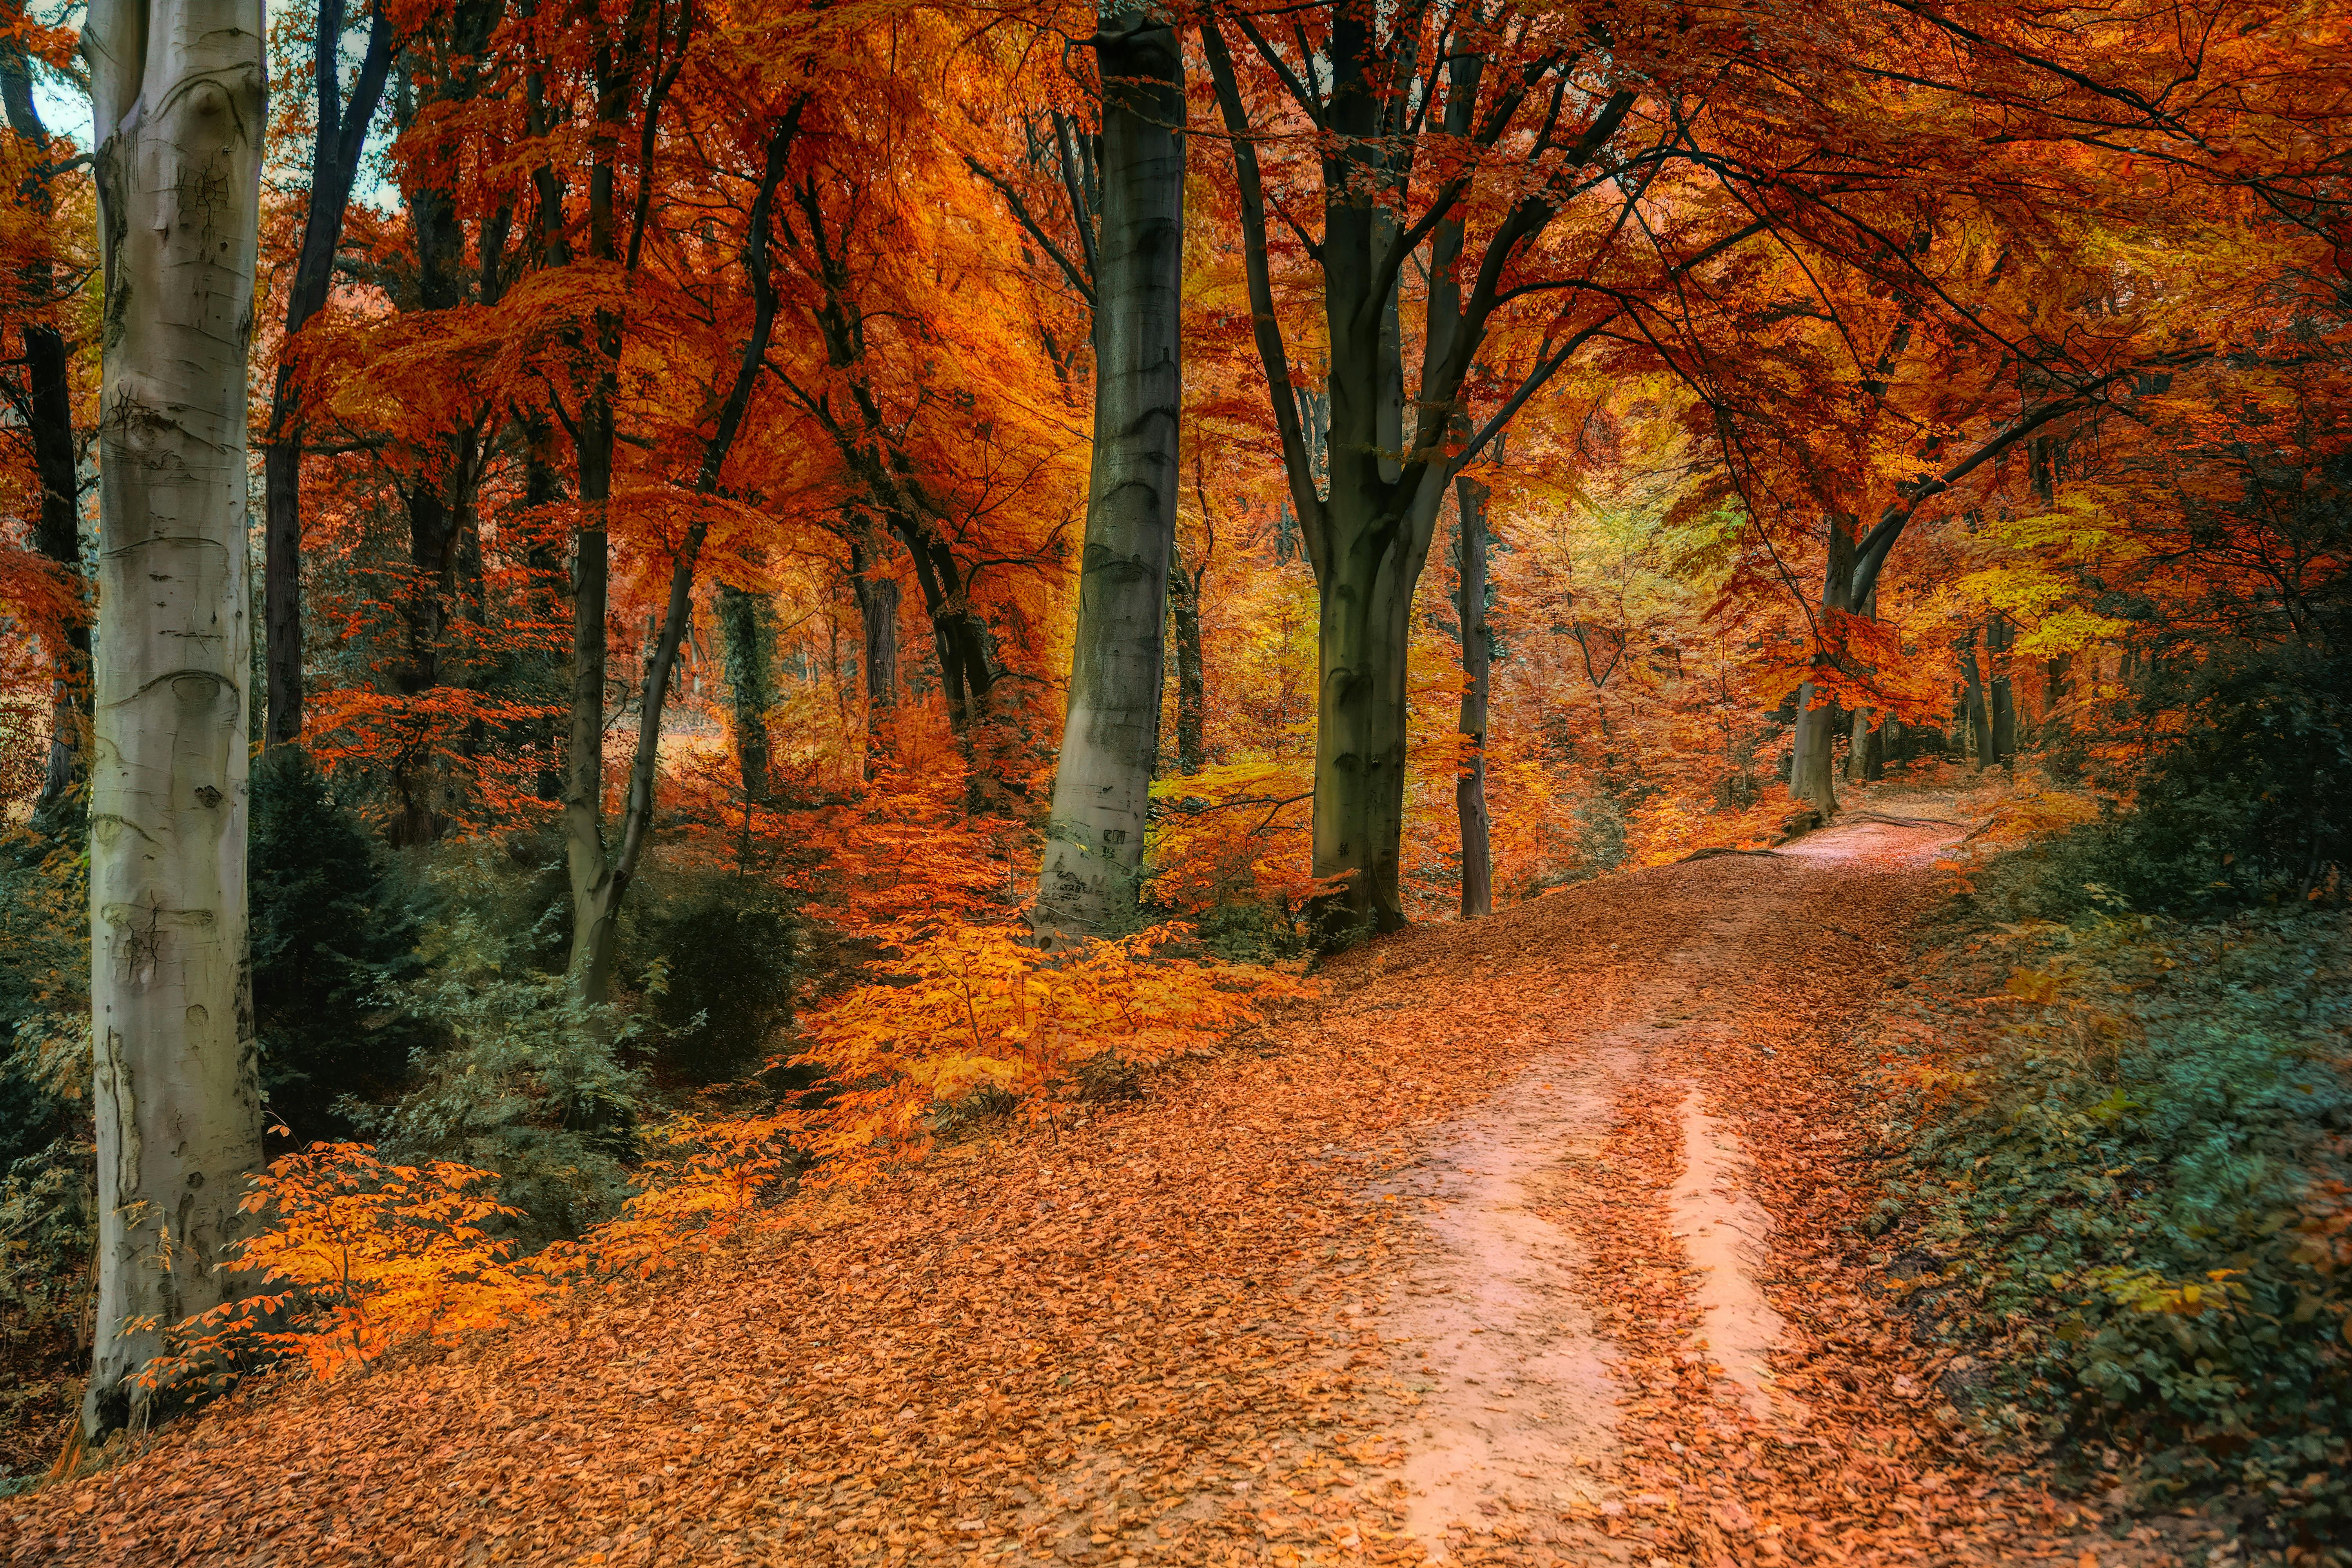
pixel 1510 139
pixel 179 92
pixel 1110 737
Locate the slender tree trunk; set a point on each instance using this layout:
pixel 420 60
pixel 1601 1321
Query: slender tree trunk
pixel 877 615
pixel 2003 697
pixel 1191 667
pixel 48 426
pixel 1862 762
pixel 1811 750
pixel 334 166
pixel 1978 731
pixel 180 96
pixel 1110 737
pixel 599 878
pixel 2057 691
pixel 747 635
pixel 1470 786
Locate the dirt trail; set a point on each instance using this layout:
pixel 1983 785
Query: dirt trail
pixel 1505 1251
pixel 1517 1405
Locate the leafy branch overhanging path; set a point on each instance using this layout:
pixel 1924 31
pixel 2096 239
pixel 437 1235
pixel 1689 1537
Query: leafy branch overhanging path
pixel 1529 1244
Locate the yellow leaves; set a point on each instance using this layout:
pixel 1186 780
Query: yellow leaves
pixel 972 1020
pixel 369 1254
pixel 2033 986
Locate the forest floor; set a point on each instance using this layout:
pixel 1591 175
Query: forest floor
pixel 1533 1241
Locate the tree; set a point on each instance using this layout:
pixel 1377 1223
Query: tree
pixel 1426 117
pixel 1110 737
pixel 43 402
pixel 337 138
pixel 179 93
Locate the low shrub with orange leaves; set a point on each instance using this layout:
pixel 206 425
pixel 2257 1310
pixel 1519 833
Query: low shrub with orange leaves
pixel 357 1255
pixel 975 1019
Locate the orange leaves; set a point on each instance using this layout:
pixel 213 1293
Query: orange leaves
pixel 974 1019
pixel 367 1254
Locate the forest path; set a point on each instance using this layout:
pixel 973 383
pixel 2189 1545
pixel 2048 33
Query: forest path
pixel 1514 1440
pixel 1397 1276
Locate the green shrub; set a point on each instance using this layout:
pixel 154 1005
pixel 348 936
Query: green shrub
pixel 2137 1196
pixel 332 925
pixel 713 954
pixel 44 990
pixel 523 1079
pixel 1249 930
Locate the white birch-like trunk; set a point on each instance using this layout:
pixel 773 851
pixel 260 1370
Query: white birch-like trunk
pixel 179 91
pixel 1110 737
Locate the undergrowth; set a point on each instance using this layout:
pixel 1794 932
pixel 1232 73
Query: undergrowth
pixel 2121 1183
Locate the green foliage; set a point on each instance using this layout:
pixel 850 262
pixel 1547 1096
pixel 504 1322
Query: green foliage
pixel 716 953
pixel 43 989
pixel 2137 1194
pixel 47 1169
pixel 331 927
pixel 1249 930
pixel 525 1079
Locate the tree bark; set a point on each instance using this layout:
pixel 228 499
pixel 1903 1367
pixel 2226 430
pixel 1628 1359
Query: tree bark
pixel 1973 700
pixel 46 409
pixel 747 636
pixel 1811 749
pixel 334 166
pixel 877 615
pixel 1191 665
pixel 1092 873
pixel 180 97
pixel 1470 784
pixel 2001 697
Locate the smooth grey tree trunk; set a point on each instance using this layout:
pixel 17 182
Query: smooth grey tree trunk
pixel 180 94
pixel 1110 736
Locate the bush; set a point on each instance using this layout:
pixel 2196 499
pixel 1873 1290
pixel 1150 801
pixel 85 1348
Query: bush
pixel 1250 930
pixel 717 952
pixel 2138 1194
pixel 331 927
pixel 48 1165
pixel 525 1079
pixel 44 990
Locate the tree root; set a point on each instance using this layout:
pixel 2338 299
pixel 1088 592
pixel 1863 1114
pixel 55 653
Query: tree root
pixel 1711 854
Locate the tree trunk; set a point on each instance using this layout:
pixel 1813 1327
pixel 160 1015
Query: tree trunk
pixel 48 420
pixel 878 614
pixel 2057 691
pixel 178 89
pixel 747 635
pixel 1811 749
pixel 599 879
pixel 335 151
pixel 1191 667
pixel 1092 865
pixel 1979 731
pixel 1470 786
pixel 2002 697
